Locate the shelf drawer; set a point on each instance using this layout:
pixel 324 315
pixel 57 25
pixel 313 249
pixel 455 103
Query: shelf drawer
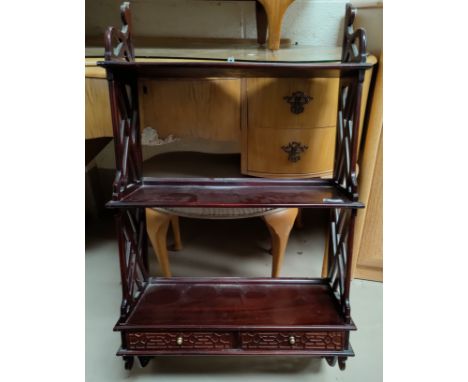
pixel 179 340
pixel 292 102
pixel 272 152
pixel 323 340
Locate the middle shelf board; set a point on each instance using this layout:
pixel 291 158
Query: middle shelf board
pixel 235 193
pixel 236 303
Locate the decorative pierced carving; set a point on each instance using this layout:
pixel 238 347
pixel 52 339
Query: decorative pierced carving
pixel 118 43
pixel 131 228
pixel 294 150
pixel 125 122
pixel 340 256
pixel 354 41
pixel 169 341
pixel 347 131
pixel 302 341
pixel 297 101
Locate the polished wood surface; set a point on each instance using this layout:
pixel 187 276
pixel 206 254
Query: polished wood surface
pixel 207 109
pixel 235 303
pixel 204 69
pixel 268 108
pixel 240 192
pixel 266 158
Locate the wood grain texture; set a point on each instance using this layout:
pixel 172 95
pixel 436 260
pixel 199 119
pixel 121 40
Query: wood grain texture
pixel 235 303
pixel 267 158
pixel 98 122
pixel 368 234
pixel 207 109
pixel 268 108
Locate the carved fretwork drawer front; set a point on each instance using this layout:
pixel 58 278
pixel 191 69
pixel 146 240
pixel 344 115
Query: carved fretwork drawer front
pixel 179 340
pixel 292 102
pixel 331 341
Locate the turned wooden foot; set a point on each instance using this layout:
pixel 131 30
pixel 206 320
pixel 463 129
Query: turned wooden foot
pixel 331 360
pixel 144 361
pixel 342 362
pixel 128 362
pixel 157 224
pixel 280 225
pixel 275 10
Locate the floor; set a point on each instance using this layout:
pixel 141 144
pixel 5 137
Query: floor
pixel 224 248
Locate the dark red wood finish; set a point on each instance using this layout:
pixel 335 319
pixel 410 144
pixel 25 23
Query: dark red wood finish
pixel 236 192
pixel 233 316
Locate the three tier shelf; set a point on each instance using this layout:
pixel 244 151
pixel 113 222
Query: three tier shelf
pixel 233 316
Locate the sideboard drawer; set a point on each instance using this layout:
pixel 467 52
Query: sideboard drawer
pixel 332 341
pixel 179 340
pixel 292 102
pixel 291 152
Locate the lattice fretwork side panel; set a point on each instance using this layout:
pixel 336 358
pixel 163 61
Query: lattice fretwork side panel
pixel 354 41
pixel 349 107
pixel 340 255
pixel 131 229
pixel 118 43
pixel 347 131
pixel 127 140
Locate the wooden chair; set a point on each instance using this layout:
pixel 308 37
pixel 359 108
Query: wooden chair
pixel 278 220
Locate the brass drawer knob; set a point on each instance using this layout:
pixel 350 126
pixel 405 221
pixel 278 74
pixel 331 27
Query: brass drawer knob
pixel 180 341
pixel 297 101
pixel 294 150
pixel 292 340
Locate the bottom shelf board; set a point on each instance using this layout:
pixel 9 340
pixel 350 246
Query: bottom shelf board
pixel 236 304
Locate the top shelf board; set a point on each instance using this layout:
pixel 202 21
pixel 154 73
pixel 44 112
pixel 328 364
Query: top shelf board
pixel 204 69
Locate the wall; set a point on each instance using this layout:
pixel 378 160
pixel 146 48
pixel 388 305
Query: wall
pixel 307 22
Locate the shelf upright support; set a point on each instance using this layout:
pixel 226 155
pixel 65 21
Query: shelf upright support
pixel 342 220
pixel 130 222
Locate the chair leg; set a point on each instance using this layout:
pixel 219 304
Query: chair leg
pixel 176 231
pixel 275 10
pixel 157 224
pixel 280 224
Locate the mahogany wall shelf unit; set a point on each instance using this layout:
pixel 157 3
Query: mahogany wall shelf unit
pixel 233 316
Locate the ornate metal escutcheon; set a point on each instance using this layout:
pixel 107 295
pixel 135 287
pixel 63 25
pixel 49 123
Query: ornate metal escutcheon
pixel 297 101
pixel 294 150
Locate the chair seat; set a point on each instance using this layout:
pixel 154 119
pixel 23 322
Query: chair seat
pixel 218 213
